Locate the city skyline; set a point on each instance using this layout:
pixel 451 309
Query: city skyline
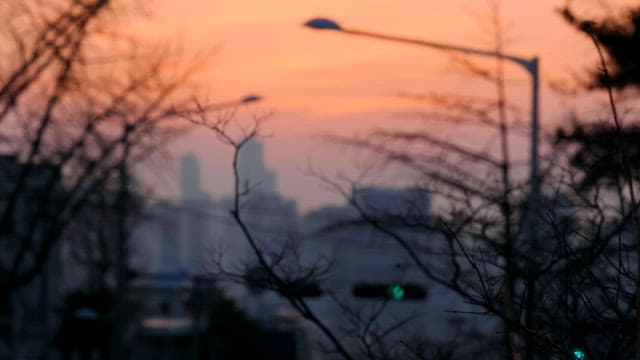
pixel 328 83
pixel 304 179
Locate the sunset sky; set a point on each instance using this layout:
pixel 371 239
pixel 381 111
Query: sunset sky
pixel 326 82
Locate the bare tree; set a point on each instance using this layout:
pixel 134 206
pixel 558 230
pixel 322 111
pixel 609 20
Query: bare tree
pixel 275 268
pixel 559 280
pixel 90 238
pixel 555 292
pixel 75 92
pixel 618 36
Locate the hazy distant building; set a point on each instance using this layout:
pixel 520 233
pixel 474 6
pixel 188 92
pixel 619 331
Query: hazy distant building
pixel 195 216
pixel 252 172
pixel 156 239
pixel 360 255
pixel 172 237
pixel 379 201
pixel 190 177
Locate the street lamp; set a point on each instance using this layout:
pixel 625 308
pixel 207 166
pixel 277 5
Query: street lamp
pixel 250 98
pixel 229 104
pixel 530 65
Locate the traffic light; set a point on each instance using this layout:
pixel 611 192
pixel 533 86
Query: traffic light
pixel 259 280
pixel 578 354
pixel 396 292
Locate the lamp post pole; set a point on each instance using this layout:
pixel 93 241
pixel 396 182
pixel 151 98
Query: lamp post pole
pixel 117 346
pixel 530 65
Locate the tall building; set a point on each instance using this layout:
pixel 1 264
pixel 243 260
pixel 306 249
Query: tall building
pixel 252 172
pixel 195 222
pixel 173 235
pixel 190 177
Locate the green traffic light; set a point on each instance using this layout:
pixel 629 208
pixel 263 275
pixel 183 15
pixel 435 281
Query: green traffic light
pixel 579 355
pixel 395 292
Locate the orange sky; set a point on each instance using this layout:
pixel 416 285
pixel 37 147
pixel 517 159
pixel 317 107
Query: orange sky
pixel 327 82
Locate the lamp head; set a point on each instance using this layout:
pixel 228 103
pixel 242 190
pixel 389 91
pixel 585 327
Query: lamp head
pixel 250 98
pixel 588 26
pixel 322 24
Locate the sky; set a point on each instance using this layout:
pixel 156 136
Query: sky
pixel 317 82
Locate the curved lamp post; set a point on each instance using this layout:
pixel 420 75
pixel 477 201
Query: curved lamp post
pixel 529 64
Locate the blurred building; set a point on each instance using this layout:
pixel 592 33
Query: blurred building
pixel 198 235
pixel 272 220
pixel 273 223
pixel 171 318
pixel 155 240
pixel 160 323
pixel 190 177
pixel 195 217
pixel 28 319
pixel 189 237
pixel 361 255
pixel 252 172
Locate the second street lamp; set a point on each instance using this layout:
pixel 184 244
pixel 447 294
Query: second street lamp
pixel 529 64
pixel 249 98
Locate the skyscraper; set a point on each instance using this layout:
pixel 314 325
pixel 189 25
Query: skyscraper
pixel 251 169
pixel 190 177
pixel 195 207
